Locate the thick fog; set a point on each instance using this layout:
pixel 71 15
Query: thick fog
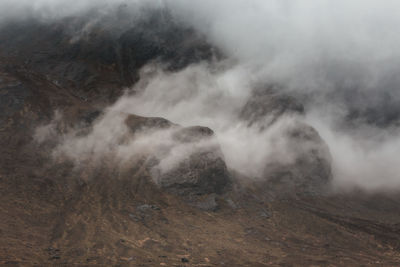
pixel 340 58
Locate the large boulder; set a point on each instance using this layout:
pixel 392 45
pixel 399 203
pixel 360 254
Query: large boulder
pixel 308 171
pixel 198 166
pixel 307 164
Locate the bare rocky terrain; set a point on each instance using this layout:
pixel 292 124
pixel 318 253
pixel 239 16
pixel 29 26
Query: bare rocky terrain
pixel 198 214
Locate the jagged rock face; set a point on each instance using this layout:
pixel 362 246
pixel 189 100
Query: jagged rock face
pixel 202 171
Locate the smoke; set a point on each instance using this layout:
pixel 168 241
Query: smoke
pixel 112 143
pixel 212 96
pixel 341 59
pixel 272 32
pixel 364 156
pixel 200 94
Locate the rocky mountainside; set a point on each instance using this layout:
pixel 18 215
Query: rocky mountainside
pixel 89 210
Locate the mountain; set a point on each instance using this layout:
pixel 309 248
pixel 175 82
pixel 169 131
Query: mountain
pixel 66 203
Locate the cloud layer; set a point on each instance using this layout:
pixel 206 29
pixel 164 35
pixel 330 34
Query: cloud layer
pixel 340 58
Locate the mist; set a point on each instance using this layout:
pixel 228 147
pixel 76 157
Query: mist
pixel 340 59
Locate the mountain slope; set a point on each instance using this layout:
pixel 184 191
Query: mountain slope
pixel 202 214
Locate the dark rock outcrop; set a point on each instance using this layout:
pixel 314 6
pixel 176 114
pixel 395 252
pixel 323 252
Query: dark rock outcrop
pixel 137 123
pixel 97 61
pixel 267 104
pixel 309 171
pixel 203 171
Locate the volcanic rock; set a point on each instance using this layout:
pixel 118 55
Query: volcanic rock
pixel 309 172
pixel 90 62
pixel 202 171
pixel 267 104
